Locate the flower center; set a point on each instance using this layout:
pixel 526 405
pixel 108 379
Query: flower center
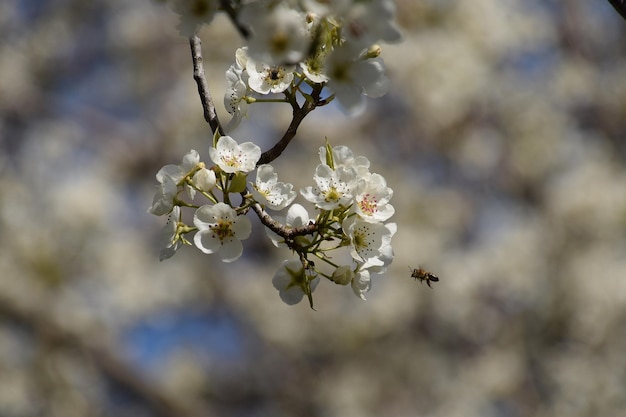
pixel 359 240
pixel 231 160
pixel 369 204
pixel 200 8
pixel 279 43
pixel 332 195
pixel 222 230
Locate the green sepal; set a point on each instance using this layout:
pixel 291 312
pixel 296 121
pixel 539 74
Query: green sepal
pixel 329 155
pixel 306 287
pixel 238 183
pixel 216 137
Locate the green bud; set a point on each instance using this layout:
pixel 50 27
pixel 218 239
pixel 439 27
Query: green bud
pixel 373 52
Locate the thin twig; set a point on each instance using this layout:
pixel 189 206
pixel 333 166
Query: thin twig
pixel 210 115
pixel 287 233
pixel 299 113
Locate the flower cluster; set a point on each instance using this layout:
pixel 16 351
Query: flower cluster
pixel 219 227
pixel 307 54
pixel 330 44
pixel 351 205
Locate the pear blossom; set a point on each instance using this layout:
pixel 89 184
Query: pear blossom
pixel 178 172
pixel 163 201
pixel 204 179
pixel 351 76
pixel 372 197
pixel 193 14
pixel 313 69
pixel 232 157
pixel 237 90
pixel 361 283
pixel 370 242
pixel 269 192
pixel 293 282
pixel 221 230
pixel 279 33
pixel 169 239
pixel 267 79
pixel 235 97
pixel 169 178
pixel 334 187
pixel 367 22
pixel 342 156
pixel 343 275
pixel 386 251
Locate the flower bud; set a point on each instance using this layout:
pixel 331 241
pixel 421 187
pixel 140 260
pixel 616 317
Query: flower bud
pixel 343 275
pixel 204 179
pixel 373 51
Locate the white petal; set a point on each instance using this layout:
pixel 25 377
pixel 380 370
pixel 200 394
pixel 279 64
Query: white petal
pixel 206 241
pixel 231 250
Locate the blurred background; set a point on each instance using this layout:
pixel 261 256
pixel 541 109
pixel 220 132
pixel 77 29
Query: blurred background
pixel 504 142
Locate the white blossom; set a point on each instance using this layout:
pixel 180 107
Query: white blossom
pixel 221 230
pixel 235 96
pixel 204 179
pixel 193 14
pixel 169 178
pixel 268 191
pixel 168 238
pixel 361 283
pixel 291 281
pixel 267 79
pixel 334 187
pixel 343 275
pixel 163 201
pixel 343 157
pixel 279 33
pixel 232 157
pixel 351 76
pixel 370 242
pixel 372 199
pixel 367 22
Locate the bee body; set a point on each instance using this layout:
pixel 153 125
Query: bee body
pixel 423 275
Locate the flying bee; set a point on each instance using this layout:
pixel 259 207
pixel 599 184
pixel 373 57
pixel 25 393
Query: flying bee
pixel 423 275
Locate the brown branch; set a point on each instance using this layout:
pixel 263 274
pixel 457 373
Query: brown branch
pixel 620 7
pixel 286 232
pixel 299 113
pixel 110 366
pixel 210 115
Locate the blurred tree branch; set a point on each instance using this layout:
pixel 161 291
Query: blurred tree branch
pixel 620 6
pixel 210 114
pixel 108 364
